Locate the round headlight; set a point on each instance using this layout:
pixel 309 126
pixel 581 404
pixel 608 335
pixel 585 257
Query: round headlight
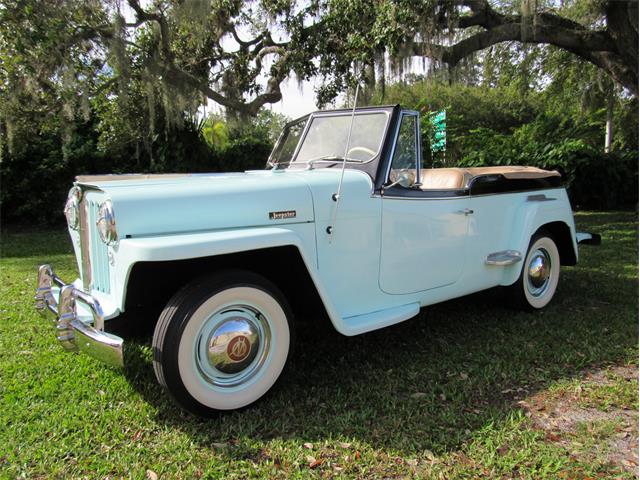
pixel 72 207
pixel 106 223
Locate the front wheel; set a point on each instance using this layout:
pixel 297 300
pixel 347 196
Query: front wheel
pixel 540 274
pixel 222 342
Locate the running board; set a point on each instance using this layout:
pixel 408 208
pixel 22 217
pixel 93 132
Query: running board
pixel 503 258
pixel 382 318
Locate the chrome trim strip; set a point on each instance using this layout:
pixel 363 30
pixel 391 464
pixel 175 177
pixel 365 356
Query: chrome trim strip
pixel 85 240
pixel 403 197
pixel 503 258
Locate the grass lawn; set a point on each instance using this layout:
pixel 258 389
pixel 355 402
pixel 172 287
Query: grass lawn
pixel 468 389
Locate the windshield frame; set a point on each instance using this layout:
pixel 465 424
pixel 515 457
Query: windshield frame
pixel 341 113
pixel 282 138
pixel 385 109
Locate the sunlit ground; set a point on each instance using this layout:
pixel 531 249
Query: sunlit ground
pixel 469 388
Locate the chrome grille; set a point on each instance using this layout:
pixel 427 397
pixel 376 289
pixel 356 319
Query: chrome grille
pixel 94 253
pixel 98 252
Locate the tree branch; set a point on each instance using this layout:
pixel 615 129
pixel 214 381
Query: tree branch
pixel 540 33
pixel 613 49
pixel 174 75
pixel 143 16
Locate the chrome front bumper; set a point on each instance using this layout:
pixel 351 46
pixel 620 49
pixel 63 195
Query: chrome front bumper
pixel 72 333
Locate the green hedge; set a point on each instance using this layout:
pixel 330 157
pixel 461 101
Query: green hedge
pixel 36 177
pixel 593 179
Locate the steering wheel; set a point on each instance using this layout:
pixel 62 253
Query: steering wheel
pixel 366 150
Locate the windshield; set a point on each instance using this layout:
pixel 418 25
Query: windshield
pixel 326 139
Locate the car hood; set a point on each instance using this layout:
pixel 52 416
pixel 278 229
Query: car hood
pixel 162 204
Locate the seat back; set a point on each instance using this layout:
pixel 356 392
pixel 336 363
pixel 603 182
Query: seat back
pixel 442 178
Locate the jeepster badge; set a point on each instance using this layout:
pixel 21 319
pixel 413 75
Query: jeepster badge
pixel 238 348
pixel 282 215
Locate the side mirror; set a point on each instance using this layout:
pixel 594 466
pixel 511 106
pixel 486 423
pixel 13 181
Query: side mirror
pixel 405 178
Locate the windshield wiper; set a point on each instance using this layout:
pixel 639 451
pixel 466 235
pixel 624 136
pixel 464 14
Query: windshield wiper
pixel 329 158
pixel 309 163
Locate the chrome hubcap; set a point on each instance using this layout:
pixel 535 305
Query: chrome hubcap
pixel 232 345
pixel 538 272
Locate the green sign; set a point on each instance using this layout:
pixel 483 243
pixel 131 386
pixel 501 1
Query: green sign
pixel 439 117
pixel 440 135
pixel 438 131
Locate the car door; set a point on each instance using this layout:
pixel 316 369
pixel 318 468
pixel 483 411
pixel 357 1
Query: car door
pixel 424 231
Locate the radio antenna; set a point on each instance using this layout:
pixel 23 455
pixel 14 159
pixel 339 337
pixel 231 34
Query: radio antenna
pixel 336 196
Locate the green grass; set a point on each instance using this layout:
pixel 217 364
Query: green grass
pixel 435 397
pixel 612 392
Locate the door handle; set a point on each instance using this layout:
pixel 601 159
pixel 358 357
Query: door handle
pixel 466 211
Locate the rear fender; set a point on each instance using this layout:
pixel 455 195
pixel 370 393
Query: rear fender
pixel 533 216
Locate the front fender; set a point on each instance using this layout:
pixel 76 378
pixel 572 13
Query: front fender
pixel 207 244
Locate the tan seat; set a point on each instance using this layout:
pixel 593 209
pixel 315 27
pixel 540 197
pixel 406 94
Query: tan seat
pixel 457 178
pixel 442 178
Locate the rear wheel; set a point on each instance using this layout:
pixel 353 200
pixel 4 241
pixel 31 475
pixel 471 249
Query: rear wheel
pixel 222 342
pixel 540 274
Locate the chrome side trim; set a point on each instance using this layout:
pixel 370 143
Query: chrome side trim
pixel 396 197
pixel 503 258
pixel 72 333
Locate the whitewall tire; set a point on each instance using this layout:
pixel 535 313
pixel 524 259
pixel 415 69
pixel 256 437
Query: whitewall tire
pixel 540 274
pixel 222 342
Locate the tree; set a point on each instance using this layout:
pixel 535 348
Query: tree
pixel 608 38
pixel 184 53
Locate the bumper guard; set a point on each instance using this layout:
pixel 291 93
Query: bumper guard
pixel 72 333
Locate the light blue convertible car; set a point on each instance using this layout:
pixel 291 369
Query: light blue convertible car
pixel 344 215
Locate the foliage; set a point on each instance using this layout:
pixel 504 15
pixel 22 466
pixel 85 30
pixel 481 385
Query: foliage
pixel 37 174
pixel 182 54
pixel 107 87
pixel 439 396
pixel 504 126
pixel 594 179
pixel 215 132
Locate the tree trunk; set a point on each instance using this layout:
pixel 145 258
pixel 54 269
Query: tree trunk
pixel 608 130
pixel 369 82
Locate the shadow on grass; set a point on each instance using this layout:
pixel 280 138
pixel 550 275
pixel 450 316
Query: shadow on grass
pixel 428 383
pixel 23 242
